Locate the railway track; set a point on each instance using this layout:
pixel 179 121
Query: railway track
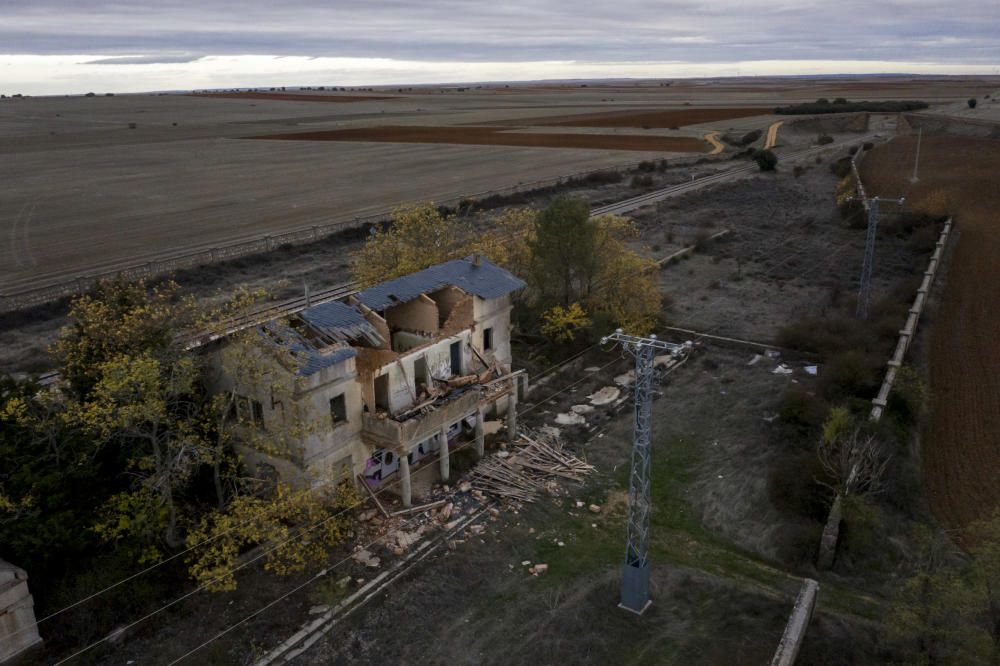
pixel 293 306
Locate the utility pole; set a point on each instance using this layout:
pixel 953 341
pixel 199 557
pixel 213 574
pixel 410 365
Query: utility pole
pixel 635 573
pixel 916 161
pixel 868 265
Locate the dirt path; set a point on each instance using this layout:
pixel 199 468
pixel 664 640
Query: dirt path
pixel 713 138
pixel 772 135
pixel 962 442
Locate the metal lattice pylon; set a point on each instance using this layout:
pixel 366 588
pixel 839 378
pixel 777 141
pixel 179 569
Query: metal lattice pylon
pixel 635 574
pixel 865 290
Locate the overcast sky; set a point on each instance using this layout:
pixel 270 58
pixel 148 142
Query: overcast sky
pixel 56 46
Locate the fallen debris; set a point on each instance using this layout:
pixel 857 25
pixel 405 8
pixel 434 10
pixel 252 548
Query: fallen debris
pixel 782 369
pixel 571 418
pixel 605 396
pixel 534 465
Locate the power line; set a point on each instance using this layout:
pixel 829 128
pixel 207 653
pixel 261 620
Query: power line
pixel 266 552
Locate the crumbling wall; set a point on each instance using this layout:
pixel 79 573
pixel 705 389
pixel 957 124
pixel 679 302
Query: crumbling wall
pixel 446 300
pixel 420 314
pixel 18 631
pixel 462 316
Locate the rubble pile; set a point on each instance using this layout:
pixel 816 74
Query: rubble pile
pixel 536 463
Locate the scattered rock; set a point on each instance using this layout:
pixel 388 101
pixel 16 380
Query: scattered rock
pixel 571 418
pixel 366 558
pixel 782 369
pixel 526 563
pixel 477 529
pixel 368 514
pixel 594 508
pixel 582 409
pixel 579 504
pixel 452 545
pixel 560 544
pixel 464 487
pixel 495 512
pixel 317 610
pixel 592 368
pixel 627 379
pixel 605 396
pixel 492 427
pixel 397 551
pixel 538 569
pixel 447 510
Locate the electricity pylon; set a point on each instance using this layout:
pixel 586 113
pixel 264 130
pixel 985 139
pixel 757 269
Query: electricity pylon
pixel 868 265
pixel 635 573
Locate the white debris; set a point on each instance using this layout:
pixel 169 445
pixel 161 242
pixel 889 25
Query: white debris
pixel 592 368
pixel 366 558
pixel 605 396
pixel 782 369
pixel 772 353
pixel 464 487
pixel 811 370
pixel 316 610
pixel 538 568
pixel 665 359
pixel 594 508
pixel 526 563
pixel 561 544
pixel 551 430
pixel 571 418
pixel 579 504
pixel 491 427
pixel 582 409
pixel 756 358
pixel 627 379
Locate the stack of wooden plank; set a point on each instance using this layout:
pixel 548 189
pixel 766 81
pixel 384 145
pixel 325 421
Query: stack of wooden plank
pixel 533 466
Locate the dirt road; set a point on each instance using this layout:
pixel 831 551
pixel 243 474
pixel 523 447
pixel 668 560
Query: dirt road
pixel 772 135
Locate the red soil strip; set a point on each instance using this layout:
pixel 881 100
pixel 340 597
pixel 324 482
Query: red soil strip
pixel 496 136
pixel 293 97
pixel 633 118
pixel 961 447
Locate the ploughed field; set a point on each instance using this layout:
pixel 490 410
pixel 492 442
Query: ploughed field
pixel 493 136
pixel 672 118
pixel 292 97
pixel 961 448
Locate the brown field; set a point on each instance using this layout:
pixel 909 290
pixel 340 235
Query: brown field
pixel 659 119
pixel 961 447
pixel 293 97
pixel 493 136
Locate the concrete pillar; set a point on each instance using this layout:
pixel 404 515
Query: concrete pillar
pixel 404 481
pixel 512 416
pixel 443 455
pixel 480 433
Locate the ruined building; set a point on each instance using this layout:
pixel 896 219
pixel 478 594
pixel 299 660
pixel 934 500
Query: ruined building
pixel 390 375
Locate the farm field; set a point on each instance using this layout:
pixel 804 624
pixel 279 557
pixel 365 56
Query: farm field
pixel 962 442
pixel 492 136
pixel 143 176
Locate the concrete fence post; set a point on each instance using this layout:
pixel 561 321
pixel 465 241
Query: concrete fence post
pixel 798 622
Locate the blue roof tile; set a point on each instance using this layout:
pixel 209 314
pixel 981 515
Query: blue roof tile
pixel 486 280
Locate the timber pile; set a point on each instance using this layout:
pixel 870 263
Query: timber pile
pixel 535 464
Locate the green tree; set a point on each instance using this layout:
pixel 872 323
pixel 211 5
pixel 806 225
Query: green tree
pixel 765 159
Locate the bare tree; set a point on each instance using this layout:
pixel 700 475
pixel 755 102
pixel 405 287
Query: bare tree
pixel 855 461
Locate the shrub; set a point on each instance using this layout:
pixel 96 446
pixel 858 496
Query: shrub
pixel 972 102
pixel 853 150
pixel 603 177
pixel 647 166
pixel 798 170
pixel 868 145
pixel 924 240
pixel 750 137
pixel 827 336
pixel 702 241
pixel 824 139
pixel 765 159
pixel 796 543
pixel 848 374
pixel 641 181
pixel 794 486
pixel 840 100
pixel 822 100
pixel 802 412
pixel 841 167
pixel 822 106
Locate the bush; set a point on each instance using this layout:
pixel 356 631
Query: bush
pixel 797 543
pixel 798 170
pixel 603 177
pixel 868 145
pixel 647 166
pixel 793 486
pixel 841 167
pixel 822 100
pixel 824 139
pixel 849 374
pixel 828 336
pixel 803 413
pixel 972 102
pixel 641 181
pixel 765 159
pixel 750 137
pixel 853 150
pixel 840 100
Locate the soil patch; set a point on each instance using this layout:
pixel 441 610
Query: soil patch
pixel 495 136
pixel 294 97
pixel 646 119
pixel 961 452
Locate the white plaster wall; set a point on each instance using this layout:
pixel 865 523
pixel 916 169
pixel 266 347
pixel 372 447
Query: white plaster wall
pixel 402 390
pixel 493 314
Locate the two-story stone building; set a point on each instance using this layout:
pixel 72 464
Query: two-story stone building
pixel 391 374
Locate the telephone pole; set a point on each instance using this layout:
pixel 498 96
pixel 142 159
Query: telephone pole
pixel 916 161
pixel 635 573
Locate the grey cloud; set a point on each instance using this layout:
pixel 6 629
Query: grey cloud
pixel 144 60
pixel 516 30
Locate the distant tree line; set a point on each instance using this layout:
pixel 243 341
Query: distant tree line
pixel 841 105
